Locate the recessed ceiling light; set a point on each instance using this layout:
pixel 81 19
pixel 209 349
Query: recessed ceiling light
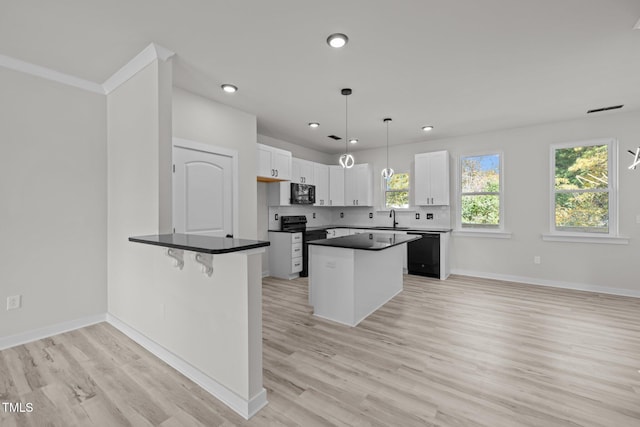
pixel 314 125
pixel 337 40
pixel 229 88
pixel 353 141
pixel 427 128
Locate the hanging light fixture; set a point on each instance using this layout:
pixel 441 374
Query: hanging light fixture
pixel 387 172
pixel 346 160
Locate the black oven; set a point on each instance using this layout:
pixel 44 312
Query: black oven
pixel 303 194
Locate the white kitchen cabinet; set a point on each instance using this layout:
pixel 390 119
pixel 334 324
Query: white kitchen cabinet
pixel 337 232
pixel 302 171
pixel 358 186
pixel 321 181
pixel 336 186
pixel 431 179
pixel 274 164
pixel 285 254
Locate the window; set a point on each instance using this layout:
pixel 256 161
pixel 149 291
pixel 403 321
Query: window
pixel 481 192
pixel 396 191
pixel 583 188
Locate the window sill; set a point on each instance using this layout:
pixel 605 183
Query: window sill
pixel 610 240
pixel 483 234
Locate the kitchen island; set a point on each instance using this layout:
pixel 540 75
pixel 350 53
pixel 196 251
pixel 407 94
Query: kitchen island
pixel 350 277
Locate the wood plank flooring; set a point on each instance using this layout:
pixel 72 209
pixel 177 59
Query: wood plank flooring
pixel 460 352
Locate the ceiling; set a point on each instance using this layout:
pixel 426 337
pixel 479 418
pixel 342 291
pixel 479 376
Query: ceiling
pixel 463 66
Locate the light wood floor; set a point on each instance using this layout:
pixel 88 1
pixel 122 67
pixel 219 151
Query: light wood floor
pixel 462 352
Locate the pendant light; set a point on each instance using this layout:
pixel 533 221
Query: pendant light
pixel 346 160
pixel 387 172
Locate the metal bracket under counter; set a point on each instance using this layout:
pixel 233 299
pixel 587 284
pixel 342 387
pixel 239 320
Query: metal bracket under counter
pixel 205 260
pixel 203 246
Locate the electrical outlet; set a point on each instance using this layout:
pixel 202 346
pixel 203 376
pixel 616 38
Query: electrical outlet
pixel 536 259
pixel 314 215
pixel 429 216
pixel 341 214
pixel 276 217
pixel 417 215
pixel 370 215
pixel 14 302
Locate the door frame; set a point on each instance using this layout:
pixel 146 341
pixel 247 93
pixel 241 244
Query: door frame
pixel 211 149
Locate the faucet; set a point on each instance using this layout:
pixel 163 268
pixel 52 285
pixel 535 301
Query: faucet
pixel 392 212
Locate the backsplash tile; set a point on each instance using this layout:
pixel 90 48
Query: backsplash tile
pixel 359 216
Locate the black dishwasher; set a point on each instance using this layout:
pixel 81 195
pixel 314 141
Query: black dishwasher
pixel 423 255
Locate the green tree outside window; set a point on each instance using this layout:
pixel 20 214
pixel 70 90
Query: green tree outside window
pixel 581 187
pixel 397 191
pixel 480 191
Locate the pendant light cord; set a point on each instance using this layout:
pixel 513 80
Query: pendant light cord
pixel 387 144
pixel 346 124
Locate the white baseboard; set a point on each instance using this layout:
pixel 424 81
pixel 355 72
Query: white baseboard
pixel 265 274
pixel 549 283
pixel 246 408
pixel 49 331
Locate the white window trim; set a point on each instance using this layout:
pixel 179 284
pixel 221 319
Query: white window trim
pixel 383 196
pixel 499 232
pixel 612 237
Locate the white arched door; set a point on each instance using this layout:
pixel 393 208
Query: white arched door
pixel 202 191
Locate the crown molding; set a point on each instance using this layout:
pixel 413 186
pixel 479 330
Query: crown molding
pixel 139 62
pixel 49 74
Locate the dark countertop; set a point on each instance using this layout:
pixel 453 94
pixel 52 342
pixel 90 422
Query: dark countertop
pixel 373 227
pixel 367 241
pixel 199 243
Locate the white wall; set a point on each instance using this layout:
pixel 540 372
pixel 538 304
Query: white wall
pixel 526 169
pixel 202 120
pixel 53 185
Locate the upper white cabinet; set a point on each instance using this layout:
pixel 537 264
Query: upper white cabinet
pixel 301 171
pixel 431 178
pixel 274 164
pixel 358 186
pixel 336 186
pixel 321 181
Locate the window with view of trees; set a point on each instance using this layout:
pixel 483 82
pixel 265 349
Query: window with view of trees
pixel 396 191
pixel 582 187
pixel 480 191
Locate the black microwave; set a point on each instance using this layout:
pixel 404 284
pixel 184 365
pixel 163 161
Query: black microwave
pixel 303 194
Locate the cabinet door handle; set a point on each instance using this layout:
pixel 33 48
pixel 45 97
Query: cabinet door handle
pixel 276 172
pixel 273 172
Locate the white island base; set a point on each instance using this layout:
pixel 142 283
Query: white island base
pixel 347 285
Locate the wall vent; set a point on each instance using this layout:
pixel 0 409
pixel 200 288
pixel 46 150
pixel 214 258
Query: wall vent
pixel 599 110
pixel 337 138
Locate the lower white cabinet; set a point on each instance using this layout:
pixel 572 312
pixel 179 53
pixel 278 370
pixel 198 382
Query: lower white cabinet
pixel 285 254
